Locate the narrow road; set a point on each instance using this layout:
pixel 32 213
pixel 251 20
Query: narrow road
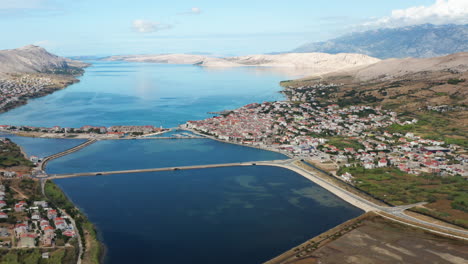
pixel 78 236
pixel 19 192
pixel 397 211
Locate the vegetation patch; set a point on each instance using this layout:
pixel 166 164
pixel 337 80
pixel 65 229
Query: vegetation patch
pixel 34 256
pixel 342 143
pixel 455 81
pixel 448 196
pixel 11 155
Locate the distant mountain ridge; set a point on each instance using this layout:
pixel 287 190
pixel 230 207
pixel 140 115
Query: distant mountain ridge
pixel 420 41
pixel 34 59
pixel 294 63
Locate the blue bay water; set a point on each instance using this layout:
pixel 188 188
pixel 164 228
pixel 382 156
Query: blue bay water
pixel 43 147
pixel 111 155
pixel 122 93
pixel 210 216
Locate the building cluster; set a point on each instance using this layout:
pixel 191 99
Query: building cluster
pixel 14 88
pixel 297 127
pixel 305 129
pixel 409 153
pixel 445 108
pixel 36 225
pixel 309 93
pixel 113 130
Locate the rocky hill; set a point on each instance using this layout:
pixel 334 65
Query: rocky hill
pixel 31 72
pixel 34 59
pixel 420 41
pixel 395 68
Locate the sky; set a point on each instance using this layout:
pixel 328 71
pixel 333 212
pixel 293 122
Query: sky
pixel 240 27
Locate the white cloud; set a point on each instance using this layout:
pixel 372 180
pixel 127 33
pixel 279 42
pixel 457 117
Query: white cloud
pixel 192 11
pixel 146 26
pixel 195 10
pixel 441 12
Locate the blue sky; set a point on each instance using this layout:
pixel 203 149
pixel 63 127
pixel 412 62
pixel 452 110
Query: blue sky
pixel 90 27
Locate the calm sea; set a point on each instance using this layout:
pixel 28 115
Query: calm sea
pixel 122 93
pixel 225 215
pixel 111 155
pixel 43 147
pixel 210 216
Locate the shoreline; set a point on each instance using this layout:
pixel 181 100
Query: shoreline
pixel 309 247
pixel 65 82
pixel 85 229
pixel 82 136
pixel 239 144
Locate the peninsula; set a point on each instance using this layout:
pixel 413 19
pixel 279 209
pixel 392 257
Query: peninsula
pixel 31 72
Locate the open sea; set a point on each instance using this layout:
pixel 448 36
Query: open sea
pixel 211 216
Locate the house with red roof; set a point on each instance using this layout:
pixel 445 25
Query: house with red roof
pixel 20 206
pixel 382 163
pixel 60 223
pixel 51 214
pixel 69 233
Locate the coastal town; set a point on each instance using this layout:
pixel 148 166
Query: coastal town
pixel 17 88
pixel 88 131
pixel 345 136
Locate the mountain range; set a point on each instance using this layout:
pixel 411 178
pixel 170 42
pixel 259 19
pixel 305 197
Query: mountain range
pixel 298 63
pixel 420 41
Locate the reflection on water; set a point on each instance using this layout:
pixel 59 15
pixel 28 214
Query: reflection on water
pixel 110 155
pixel 122 93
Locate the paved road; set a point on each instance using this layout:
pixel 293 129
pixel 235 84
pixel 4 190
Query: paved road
pixel 44 162
pixel 397 211
pixel 99 173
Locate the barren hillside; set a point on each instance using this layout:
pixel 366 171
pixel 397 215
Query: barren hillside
pixel 34 59
pixel 311 63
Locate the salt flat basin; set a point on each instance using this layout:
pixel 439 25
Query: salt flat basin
pixel 221 215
